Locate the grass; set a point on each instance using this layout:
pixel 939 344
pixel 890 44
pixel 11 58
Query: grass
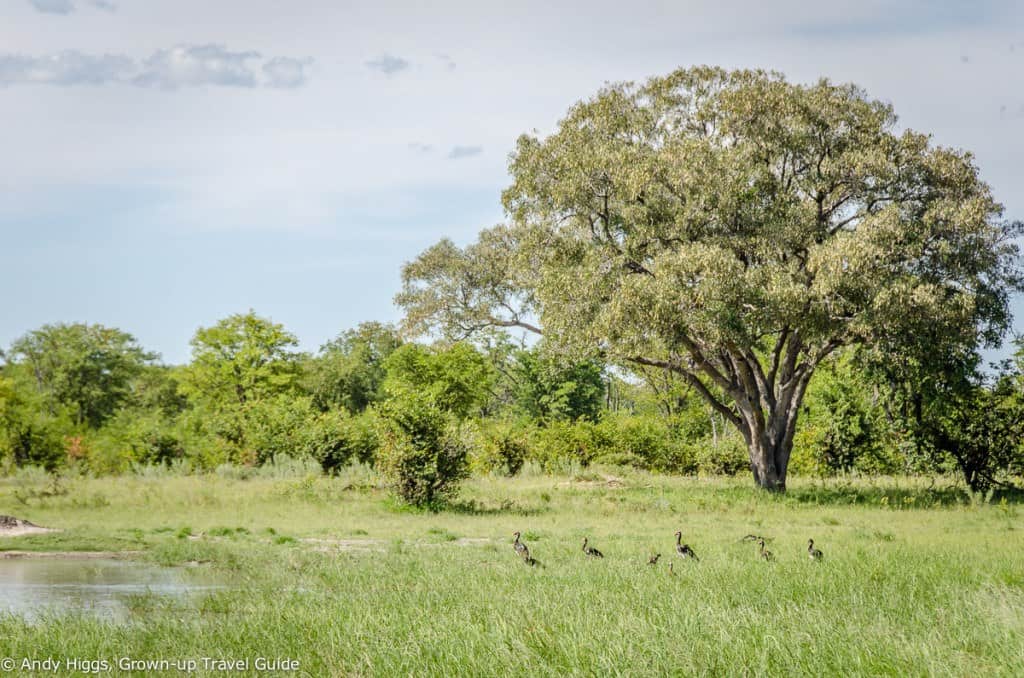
pixel 917 580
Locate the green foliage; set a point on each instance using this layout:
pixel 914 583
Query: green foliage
pixel 545 388
pixel 133 437
pixel 457 378
pixel 735 229
pixel 727 457
pixel 33 432
pixel 87 369
pixel 240 359
pixel 338 439
pixel 844 427
pixel 500 447
pixel 421 455
pixel 561 444
pixel 349 372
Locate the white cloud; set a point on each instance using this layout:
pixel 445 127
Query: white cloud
pixel 66 68
pixel 68 6
pixel 53 6
pixel 388 64
pixel 286 73
pixel 194 65
pixel 459 152
pixel 179 66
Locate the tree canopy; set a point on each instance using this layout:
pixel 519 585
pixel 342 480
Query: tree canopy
pixel 85 368
pixel 241 358
pixel 736 229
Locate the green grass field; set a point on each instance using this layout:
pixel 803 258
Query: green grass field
pixel 915 580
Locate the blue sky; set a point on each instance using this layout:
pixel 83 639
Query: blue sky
pixel 169 162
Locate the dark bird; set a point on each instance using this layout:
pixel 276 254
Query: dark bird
pixel 813 553
pixel 684 550
pixel 591 551
pixel 653 560
pixel 521 549
pixel 765 553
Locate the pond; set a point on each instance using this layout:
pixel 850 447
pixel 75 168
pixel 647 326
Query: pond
pixel 34 587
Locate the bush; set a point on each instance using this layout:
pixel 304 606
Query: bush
pixel 499 448
pixel 650 442
pixel 562 444
pixel 337 439
pixel 729 457
pixel 131 438
pixel 420 454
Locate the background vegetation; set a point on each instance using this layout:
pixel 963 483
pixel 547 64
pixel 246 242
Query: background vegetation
pixel 85 399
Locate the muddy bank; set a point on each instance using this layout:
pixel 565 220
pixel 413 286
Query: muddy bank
pixel 15 527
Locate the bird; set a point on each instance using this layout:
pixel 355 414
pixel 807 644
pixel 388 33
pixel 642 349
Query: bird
pixel 684 550
pixel 813 553
pixel 765 553
pixel 591 551
pixel 521 549
pixel 653 560
pixel 671 570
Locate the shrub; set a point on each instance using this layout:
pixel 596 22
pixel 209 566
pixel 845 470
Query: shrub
pixel 648 441
pixel 728 457
pixel 130 438
pixel 337 439
pixel 420 454
pixel 500 448
pixel 562 444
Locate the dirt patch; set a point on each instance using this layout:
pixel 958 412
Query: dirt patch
pixel 15 527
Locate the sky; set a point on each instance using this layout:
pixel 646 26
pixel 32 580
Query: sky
pixel 167 163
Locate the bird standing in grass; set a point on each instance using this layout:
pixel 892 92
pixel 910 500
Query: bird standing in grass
pixel 765 553
pixel 520 548
pixel 813 553
pixel 671 570
pixel 684 550
pixel 591 551
pixel 653 560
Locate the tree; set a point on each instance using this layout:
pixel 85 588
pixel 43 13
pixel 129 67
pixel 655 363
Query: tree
pixel 349 371
pixel 735 229
pixel 457 378
pixel 420 454
pixel 241 358
pixel 546 388
pixel 87 368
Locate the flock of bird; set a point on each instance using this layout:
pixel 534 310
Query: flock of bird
pixel 682 550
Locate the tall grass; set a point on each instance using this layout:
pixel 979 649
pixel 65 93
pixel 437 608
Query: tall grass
pixel 917 580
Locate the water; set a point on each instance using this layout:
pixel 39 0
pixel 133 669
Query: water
pixel 35 587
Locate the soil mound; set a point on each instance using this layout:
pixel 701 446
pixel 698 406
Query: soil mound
pixel 13 527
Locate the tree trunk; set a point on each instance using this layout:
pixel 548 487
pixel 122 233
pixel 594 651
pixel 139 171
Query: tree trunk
pixel 768 425
pixel 769 460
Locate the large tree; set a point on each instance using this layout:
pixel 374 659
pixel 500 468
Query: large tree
pixel 241 359
pixel 735 229
pixel 88 369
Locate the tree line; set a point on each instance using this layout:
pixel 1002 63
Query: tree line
pixel 723 270
pixel 90 397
